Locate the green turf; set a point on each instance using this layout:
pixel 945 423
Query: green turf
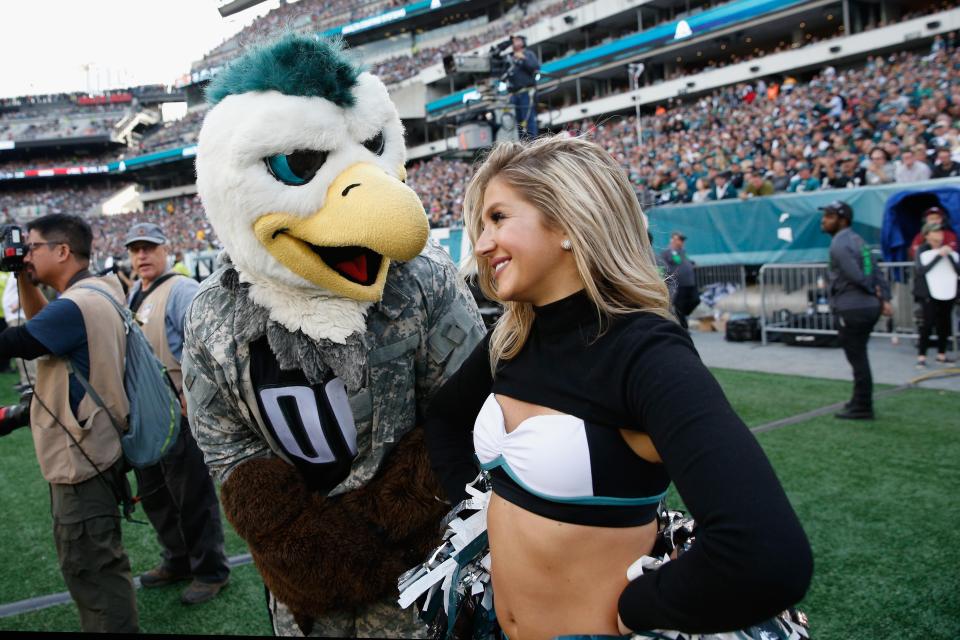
pixel 879 503
pixel 876 499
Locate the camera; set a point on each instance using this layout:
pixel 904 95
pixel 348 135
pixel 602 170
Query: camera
pixel 14 416
pixel 12 248
pixel 479 66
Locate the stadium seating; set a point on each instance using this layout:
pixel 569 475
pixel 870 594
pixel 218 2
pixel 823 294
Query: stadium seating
pixel 775 126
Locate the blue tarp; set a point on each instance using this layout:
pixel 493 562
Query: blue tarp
pixel 903 217
pixel 786 227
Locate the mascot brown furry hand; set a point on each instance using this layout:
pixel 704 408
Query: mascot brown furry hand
pixel 311 354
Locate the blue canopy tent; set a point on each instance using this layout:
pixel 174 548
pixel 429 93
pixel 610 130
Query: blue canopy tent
pixel 903 218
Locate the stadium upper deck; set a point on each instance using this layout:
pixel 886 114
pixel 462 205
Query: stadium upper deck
pixel 565 32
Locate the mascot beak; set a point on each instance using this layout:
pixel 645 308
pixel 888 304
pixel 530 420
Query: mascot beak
pixel 369 218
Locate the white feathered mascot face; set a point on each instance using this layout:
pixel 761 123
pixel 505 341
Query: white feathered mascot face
pixel 300 170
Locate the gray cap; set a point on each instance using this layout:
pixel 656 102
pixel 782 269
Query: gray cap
pixel 147 232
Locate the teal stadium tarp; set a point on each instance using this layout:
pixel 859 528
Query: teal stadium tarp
pixel 782 228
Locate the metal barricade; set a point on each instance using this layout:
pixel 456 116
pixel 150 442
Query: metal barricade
pixel 726 281
pixel 794 298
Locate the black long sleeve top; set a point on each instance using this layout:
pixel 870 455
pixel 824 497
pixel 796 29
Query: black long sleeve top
pixel 751 558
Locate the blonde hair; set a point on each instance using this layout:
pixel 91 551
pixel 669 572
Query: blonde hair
pixel 579 189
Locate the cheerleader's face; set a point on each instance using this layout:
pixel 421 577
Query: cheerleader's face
pixel 523 254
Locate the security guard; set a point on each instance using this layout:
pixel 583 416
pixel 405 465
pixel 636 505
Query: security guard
pixel 858 295
pixel 177 493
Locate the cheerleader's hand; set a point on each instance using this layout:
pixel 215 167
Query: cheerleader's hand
pixel 622 627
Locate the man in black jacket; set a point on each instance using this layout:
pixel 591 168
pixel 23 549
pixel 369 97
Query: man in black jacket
pixel 521 82
pixel 858 295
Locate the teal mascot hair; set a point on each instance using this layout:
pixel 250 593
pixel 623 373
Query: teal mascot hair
pixel 293 65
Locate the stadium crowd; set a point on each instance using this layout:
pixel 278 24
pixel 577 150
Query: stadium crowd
pixel 182 219
pixel 174 134
pixel 407 65
pixel 41 199
pixel 66 123
pixel 895 118
pixel 440 184
pixel 300 17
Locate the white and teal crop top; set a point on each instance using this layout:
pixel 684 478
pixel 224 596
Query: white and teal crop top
pixel 565 469
pixel 639 373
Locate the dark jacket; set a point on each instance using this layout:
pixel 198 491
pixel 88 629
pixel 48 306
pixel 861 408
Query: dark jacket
pixel 523 72
pixel 854 278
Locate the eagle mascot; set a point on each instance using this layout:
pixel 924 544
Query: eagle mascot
pixel 311 353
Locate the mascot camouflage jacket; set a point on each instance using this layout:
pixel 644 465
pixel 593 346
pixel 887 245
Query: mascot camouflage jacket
pixel 417 336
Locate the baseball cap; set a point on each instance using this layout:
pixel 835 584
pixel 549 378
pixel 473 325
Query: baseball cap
pixel 839 208
pixel 931 226
pixel 147 232
pixel 935 209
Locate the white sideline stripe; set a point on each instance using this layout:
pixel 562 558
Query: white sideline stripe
pixel 44 602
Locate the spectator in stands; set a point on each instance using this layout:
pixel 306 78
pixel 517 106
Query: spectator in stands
pixel 722 189
pixel 757 185
pixel 911 169
pixel 779 177
pixel 804 180
pixel 945 167
pixel 936 310
pixel 850 174
pixel 879 169
pixel 702 194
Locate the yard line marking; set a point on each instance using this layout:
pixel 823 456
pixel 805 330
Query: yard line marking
pixel 43 602
pixel 822 411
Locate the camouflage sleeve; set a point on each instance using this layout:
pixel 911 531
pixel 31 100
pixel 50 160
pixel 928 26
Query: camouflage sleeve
pixel 454 328
pixel 217 422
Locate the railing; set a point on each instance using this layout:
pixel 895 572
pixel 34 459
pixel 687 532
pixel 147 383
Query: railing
pixel 794 299
pixel 723 282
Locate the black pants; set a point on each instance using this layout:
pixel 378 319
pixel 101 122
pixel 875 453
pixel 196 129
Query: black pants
pixel 180 501
pixel 94 564
pixel 685 300
pixel 936 316
pixel 854 330
pixel 4 363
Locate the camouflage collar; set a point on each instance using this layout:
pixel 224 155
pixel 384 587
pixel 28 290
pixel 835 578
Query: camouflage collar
pixel 318 359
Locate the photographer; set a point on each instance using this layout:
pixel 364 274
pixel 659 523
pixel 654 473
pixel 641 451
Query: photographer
pixel 521 80
pixel 77 446
pixel 177 493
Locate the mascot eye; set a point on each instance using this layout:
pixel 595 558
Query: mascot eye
pixel 296 168
pixel 375 144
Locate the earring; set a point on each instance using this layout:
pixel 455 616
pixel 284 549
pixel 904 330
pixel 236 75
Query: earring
pixel 566 245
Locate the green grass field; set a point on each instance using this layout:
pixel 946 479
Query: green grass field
pixel 876 499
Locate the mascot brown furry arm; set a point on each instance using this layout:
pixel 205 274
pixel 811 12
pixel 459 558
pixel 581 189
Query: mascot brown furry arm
pixel 349 564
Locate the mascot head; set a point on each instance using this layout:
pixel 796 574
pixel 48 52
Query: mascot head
pixel 300 170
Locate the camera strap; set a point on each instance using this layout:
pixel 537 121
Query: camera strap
pixel 96 397
pixel 142 295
